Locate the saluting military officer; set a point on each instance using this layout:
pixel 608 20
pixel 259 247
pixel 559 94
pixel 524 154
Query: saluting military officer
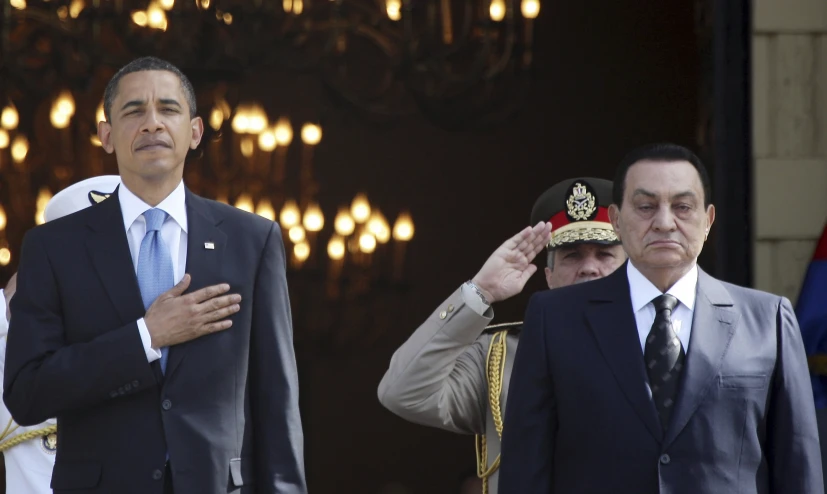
pixel 29 452
pixel 453 372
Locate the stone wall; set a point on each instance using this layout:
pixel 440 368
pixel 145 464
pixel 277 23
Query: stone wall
pixel 789 67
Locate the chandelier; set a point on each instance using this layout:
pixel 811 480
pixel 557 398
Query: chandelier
pixel 335 266
pixel 349 266
pixel 460 63
pixel 261 148
pixel 346 266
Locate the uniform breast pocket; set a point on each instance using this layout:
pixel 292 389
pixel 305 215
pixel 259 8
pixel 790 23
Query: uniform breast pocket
pixel 743 381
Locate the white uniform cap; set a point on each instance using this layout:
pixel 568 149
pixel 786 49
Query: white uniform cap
pixel 80 195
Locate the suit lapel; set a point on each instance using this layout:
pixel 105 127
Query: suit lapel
pixel 205 250
pixel 713 326
pixel 109 252
pixel 613 323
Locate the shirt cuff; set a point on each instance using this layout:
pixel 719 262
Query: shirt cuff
pixel 473 300
pixel 151 354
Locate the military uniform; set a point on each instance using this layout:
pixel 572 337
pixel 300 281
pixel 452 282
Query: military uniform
pixel 453 372
pixel 29 452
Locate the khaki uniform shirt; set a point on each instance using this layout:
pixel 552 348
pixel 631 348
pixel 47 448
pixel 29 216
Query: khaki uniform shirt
pixel 438 376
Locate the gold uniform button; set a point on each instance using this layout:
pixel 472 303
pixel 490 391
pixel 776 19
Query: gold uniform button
pixel 450 308
pixel 443 315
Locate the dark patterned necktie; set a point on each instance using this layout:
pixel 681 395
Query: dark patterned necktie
pixel 664 357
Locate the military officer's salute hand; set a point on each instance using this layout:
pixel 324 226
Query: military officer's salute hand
pixel 176 318
pixel 508 269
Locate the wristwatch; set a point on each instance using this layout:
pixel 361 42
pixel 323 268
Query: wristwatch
pixel 474 287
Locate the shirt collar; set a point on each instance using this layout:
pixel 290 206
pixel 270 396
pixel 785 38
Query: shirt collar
pixel 133 206
pixel 643 291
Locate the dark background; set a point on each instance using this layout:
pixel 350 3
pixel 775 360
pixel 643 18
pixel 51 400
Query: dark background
pixel 608 76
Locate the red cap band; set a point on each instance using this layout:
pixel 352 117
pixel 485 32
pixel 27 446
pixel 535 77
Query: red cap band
pixel 560 219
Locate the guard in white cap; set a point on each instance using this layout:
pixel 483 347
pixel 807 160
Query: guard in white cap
pixel 80 195
pixel 29 452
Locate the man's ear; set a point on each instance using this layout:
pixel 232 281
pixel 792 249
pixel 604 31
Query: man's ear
pixel 197 125
pixel 614 218
pixel 548 277
pixel 710 217
pixel 105 136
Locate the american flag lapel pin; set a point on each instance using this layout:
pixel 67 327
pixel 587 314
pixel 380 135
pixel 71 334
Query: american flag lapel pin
pixel 209 245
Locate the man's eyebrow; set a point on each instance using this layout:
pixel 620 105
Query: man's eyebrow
pixel 139 103
pixel 679 195
pixel 133 103
pixel 684 194
pixel 643 192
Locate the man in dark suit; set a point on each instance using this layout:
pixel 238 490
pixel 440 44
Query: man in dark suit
pixel 157 387
pixel 660 378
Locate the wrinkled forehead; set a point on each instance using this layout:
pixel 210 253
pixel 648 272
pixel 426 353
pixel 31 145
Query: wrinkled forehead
pixel 663 179
pixel 149 86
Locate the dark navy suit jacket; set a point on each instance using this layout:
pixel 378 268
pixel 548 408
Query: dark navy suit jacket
pixel 227 408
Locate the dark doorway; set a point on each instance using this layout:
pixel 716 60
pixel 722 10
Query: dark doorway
pixel 725 139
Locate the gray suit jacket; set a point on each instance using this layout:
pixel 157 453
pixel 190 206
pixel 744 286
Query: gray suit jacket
pixel 580 419
pixel 437 377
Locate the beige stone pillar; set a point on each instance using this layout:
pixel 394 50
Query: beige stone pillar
pixel 789 69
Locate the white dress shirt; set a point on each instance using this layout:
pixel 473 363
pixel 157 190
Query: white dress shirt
pixel 643 292
pixel 173 231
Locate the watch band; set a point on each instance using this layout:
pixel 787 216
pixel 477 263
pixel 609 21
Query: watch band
pixel 478 291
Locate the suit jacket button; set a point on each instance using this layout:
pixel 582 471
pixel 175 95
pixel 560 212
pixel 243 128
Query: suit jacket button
pixel 135 384
pixel 157 475
pixel 166 404
pixel 665 459
pixel 113 394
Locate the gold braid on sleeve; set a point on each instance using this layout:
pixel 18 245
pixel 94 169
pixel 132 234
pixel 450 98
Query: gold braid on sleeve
pixel 7 442
pixel 494 373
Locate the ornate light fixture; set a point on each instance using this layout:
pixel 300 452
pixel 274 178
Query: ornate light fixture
pixel 250 167
pixel 343 262
pixel 344 265
pixel 335 263
pixel 256 165
pixel 459 62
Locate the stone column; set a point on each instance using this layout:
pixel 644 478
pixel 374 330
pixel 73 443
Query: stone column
pixel 789 67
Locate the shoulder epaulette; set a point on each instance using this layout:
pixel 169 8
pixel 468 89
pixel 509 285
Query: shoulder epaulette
pixel 511 327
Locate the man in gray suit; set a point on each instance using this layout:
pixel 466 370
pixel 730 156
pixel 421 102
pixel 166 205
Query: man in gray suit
pixel 660 379
pixel 453 372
